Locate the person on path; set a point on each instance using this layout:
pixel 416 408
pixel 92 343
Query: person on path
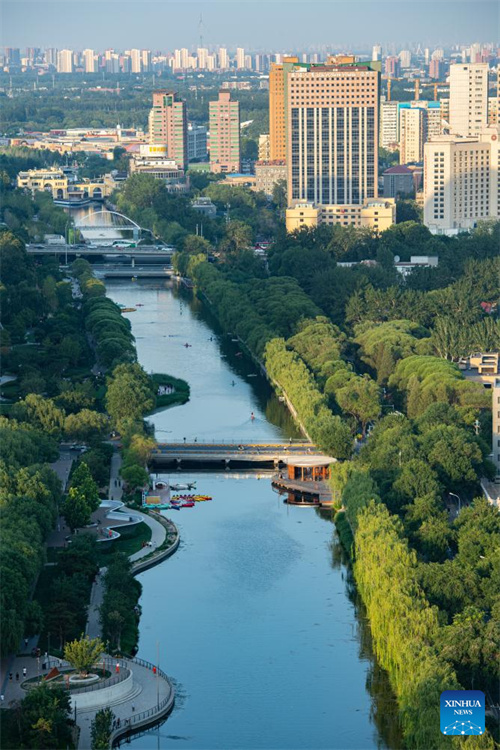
pixel 25 671
pixel 10 676
pixel 2 698
pixel 25 643
pixel 17 676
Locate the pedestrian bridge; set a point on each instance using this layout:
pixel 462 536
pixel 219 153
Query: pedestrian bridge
pixel 233 453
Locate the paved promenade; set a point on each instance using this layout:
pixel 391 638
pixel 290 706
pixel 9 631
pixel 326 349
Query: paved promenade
pixel 149 691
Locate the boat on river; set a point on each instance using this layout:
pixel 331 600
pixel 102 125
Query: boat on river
pixel 177 487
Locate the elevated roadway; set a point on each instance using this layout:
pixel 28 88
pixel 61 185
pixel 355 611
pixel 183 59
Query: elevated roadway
pixel 153 252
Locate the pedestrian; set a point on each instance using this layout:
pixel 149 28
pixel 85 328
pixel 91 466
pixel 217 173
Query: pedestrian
pixel 25 671
pixel 10 676
pixel 25 643
pixel 17 676
pixel 133 708
pixel 2 698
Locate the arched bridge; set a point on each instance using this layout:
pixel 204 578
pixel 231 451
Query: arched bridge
pixel 96 222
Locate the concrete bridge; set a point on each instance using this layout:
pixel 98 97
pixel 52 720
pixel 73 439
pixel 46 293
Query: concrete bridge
pixel 225 454
pixel 153 252
pixel 125 271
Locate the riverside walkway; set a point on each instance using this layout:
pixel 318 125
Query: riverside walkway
pixel 226 453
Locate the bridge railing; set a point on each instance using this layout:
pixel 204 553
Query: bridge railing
pixel 234 443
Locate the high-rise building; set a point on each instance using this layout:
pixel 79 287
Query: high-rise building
pixel 65 61
pixel 136 61
pixel 426 55
pixel 223 59
pixel 168 125
pixel 224 125
pixel 405 58
pixel 436 69
pixel 240 58
pixel 12 56
pixel 418 122
pixel 277 107
pixel 184 58
pixel 376 52
pixel 89 61
pixel 146 60
pixel 468 98
pixel 389 125
pixel 461 181
pixel 197 142
pixel 392 67
pixel 412 134
pixel 50 56
pixel 332 138
pixel 202 58
pixel 264 150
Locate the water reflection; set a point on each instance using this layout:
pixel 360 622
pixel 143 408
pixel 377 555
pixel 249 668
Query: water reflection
pixel 257 613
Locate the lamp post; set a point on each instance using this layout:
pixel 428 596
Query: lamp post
pixel 453 494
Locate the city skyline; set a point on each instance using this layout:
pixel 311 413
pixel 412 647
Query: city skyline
pixel 227 24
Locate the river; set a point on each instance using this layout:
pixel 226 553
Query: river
pixel 255 617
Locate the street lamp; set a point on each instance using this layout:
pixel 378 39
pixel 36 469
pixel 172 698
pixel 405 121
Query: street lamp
pixel 453 494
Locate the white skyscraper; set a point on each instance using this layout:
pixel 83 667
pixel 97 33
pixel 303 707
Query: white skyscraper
pixel 376 52
pixel 461 181
pixel 240 58
pixel 405 57
pixel 184 58
pixel 223 59
pixel 146 60
pixel 65 61
pixel 136 61
pixel 468 98
pixel 413 134
pixel 202 54
pixel 89 60
pixel 389 125
pixel 177 59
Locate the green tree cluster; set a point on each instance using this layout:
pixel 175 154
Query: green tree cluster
pixel 119 610
pixel 82 498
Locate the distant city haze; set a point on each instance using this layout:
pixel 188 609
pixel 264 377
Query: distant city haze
pixel 275 25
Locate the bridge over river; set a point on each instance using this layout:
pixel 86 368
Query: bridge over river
pixel 241 453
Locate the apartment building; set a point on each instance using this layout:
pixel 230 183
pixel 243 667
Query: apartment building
pixel 224 124
pixel 168 125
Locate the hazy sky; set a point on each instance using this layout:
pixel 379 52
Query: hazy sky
pixel 273 24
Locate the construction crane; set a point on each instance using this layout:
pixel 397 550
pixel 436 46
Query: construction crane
pixel 389 83
pixel 437 87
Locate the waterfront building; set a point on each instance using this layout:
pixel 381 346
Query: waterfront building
pixel 332 140
pixel 461 181
pixel 468 98
pixel 154 160
pixel 224 124
pixel 168 125
pixel 61 186
pixel 268 174
pixel 197 142
pixel 65 61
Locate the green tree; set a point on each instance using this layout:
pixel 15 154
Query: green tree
pixel 135 475
pixel 85 424
pixel 75 509
pixel 361 398
pixel 82 654
pixel 100 729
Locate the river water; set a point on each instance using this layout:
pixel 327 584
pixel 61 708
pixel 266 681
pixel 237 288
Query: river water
pixel 255 617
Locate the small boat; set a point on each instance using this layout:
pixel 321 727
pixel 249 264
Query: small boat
pixel 139 304
pixel 177 487
pixel 127 309
pixel 187 345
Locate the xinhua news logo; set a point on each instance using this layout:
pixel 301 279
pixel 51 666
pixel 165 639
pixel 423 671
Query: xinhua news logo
pixel 462 712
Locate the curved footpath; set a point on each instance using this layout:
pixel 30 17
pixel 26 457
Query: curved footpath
pixel 152 695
